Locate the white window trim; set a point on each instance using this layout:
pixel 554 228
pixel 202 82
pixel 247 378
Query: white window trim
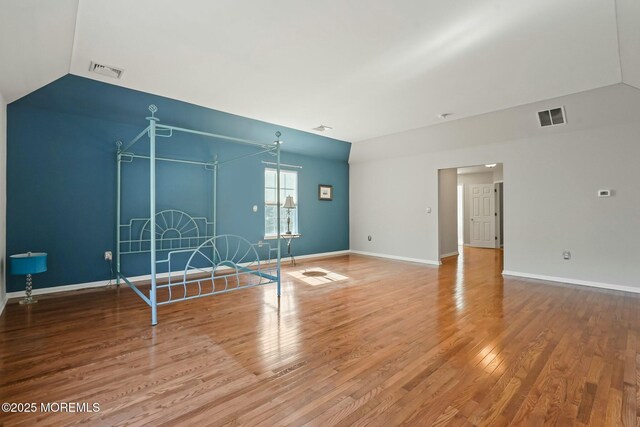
pixel 273 236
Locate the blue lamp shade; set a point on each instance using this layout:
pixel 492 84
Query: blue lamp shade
pixel 29 263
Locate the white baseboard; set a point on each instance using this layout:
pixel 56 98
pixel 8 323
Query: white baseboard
pixel 449 254
pixel 397 258
pixel 579 282
pixel 101 283
pixel 3 303
pixel 320 255
pixel 64 288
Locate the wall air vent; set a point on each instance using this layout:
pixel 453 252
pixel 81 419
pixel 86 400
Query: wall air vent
pixel 106 70
pixel 552 117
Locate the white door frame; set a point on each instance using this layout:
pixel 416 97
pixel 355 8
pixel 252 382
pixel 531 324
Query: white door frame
pixel 499 196
pixel 461 206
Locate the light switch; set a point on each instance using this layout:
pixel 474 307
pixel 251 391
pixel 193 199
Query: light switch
pixel 255 208
pixel 428 210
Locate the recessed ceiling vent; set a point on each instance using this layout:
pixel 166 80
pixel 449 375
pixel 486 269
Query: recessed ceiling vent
pixel 106 70
pixel 552 117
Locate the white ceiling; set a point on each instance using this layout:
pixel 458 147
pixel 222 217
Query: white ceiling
pixel 36 41
pixel 629 37
pixel 366 68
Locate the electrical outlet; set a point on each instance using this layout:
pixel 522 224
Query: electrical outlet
pixel 566 255
pixel 108 256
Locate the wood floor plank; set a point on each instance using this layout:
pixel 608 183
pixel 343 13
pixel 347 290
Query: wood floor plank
pixel 394 344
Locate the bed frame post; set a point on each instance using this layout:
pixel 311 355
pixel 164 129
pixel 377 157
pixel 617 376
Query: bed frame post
pixel 215 196
pixel 278 210
pixel 118 209
pixel 214 214
pixel 152 211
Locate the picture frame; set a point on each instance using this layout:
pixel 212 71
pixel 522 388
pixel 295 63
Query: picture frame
pixel 325 192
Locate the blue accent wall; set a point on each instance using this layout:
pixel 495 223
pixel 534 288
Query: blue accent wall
pixel 61 177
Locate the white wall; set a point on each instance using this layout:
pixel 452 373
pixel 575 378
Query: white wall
pixel 394 216
pixel 3 199
pixel 466 180
pixel 497 175
pixel 448 211
pixel 551 176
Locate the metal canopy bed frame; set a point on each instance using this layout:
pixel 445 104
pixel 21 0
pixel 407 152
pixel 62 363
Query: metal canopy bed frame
pixel 198 262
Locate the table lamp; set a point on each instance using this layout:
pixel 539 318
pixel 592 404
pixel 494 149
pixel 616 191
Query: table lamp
pixel 29 263
pixel 288 205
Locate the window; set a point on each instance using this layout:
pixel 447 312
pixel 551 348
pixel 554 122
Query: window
pixel 288 187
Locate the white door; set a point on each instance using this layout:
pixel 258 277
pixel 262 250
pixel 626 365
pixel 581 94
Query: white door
pixel 482 212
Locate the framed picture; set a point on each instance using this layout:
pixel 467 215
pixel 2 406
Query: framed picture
pixel 325 192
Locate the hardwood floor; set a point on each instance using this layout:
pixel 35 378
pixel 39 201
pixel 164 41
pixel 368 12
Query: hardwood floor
pixel 397 343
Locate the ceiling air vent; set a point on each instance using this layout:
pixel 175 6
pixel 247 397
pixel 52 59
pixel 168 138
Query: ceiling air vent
pixel 106 70
pixel 552 117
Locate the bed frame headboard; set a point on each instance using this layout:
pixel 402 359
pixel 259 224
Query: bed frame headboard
pixel 175 229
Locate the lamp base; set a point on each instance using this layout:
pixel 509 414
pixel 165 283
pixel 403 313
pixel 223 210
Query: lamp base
pixel 288 221
pixel 28 299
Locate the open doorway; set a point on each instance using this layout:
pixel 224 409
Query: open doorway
pixel 481 214
pixel 471 208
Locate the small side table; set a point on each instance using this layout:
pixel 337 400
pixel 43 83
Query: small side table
pixel 289 238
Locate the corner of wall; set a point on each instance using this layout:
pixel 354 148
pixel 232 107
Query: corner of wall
pixel 3 201
pixel 447 212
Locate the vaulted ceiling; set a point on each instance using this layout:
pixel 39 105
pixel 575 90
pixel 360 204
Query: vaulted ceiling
pixel 365 68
